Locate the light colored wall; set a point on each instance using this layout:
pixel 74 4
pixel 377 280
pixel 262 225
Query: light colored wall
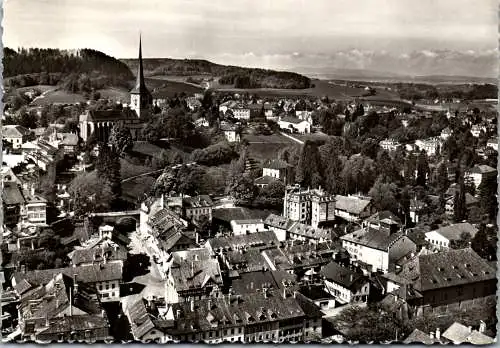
pixel 437 240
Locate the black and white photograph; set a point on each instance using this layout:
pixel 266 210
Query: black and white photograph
pixel 266 171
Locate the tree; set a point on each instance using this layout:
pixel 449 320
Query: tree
pixel 487 197
pixel 120 139
pixel 358 174
pixel 90 193
pixel 422 168
pixel 459 203
pixel 482 245
pixel 463 242
pixel 309 171
pixel 242 189
pixel 384 196
pixel 370 324
pixel 442 179
pixel 108 168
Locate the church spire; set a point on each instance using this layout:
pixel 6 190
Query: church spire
pixel 140 85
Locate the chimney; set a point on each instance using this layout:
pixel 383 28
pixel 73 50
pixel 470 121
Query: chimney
pixel 192 305
pixel 178 314
pixel 284 292
pixel 470 328
pixel 431 335
pixel 251 285
pixel 482 326
pixel 192 268
pixel 438 333
pixel 47 320
pixel 197 238
pixel 103 313
pixel 75 282
pixel 209 304
pixel 162 200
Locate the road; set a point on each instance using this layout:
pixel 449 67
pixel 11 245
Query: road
pixel 292 138
pixel 156 171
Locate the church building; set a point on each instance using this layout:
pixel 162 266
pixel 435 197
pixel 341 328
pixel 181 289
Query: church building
pixel 100 122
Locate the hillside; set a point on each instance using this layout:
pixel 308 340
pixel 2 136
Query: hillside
pixel 75 71
pixel 237 77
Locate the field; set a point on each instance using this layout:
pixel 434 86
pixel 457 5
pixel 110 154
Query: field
pixel 116 94
pixel 264 147
pixel 163 86
pixel 57 97
pixel 311 136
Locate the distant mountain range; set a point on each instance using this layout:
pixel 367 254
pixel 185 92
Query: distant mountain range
pixel 433 66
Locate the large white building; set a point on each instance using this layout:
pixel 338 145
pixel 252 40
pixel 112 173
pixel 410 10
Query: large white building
pixel 479 172
pixel 295 125
pixel 310 207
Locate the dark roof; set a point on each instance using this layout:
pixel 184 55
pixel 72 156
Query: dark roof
pixel 310 232
pixel 482 169
pixel 314 292
pixel 190 274
pixel 112 115
pixel 238 213
pixel 310 309
pixel 264 239
pixel 238 310
pixel 197 201
pixel 140 320
pixel 444 269
pixel 97 254
pixel 12 194
pixel 351 204
pixel 372 238
pixel 75 323
pixel 343 276
pixel 276 164
pixel 249 260
pixel 384 216
pixel 249 282
pixel 85 274
pixel 279 222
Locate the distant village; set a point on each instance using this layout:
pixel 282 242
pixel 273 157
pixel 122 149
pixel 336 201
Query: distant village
pixel 330 257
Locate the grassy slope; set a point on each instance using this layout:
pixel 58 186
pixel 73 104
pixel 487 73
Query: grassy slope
pixel 263 147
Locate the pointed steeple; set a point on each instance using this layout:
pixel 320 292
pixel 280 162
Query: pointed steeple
pixel 140 85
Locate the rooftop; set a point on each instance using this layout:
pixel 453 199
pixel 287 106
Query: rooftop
pixel 351 204
pixel 454 231
pixel 373 238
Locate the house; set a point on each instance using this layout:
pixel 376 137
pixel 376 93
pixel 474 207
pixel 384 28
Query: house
pixel 197 207
pixel 346 285
pixel 193 103
pixel 294 125
pixel 193 275
pixel 102 251
pixel 470 202
pixel 16 135
pixel 311 207
pixel 201 122
pixel 444 237
pixel 299 231
pixel 480 172
pixel 454 277
pixel 458 333
pixel 60 308
pixel 493 143
pixel 271 316
pixel 41 152
pixel 377 250
pixel 12 201
pixel 264 181
pixel 353 208
pixel 476 130
pixel 241 112
pixel 104 278
pixel 279 225
pixel 231 133
pixel 68 143
pixel 147 323
pixel 417 207
pixel 247 226
pixel 431 146
pixel 34 209
pixel 390 145
pixel 317 294
pixel 259 240
pixel 268 111
pixel 275 168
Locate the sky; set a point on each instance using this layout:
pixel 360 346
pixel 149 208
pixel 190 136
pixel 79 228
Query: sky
pixel 267 33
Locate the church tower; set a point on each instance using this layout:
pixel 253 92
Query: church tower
pixel 140 98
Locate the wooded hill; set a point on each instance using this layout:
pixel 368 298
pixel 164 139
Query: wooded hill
pixel 239 77
pixel 76 71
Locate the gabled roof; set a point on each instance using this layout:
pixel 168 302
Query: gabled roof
pixel 11 194
pixel 418 336
pixel 459 333
pixel 69 139
pixel 293 120
pixel 454 231
pixel 444 269
pixel 482 169
pixel 343 276
pixel 75 323
pixel 264 239
pixel 351 204
pixel 197 201
pixel 276 164
pixel 372 238
pixel 140 320
pixel 14 131
pixel 280 222
pixel 308 231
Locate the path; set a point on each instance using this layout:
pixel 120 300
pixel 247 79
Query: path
pixel 157 171
pixel 292 138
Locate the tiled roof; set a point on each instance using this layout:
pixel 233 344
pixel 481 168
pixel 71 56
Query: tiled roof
pixel 238 213
pixel 459 333
pixel 85 274
pixel 385 216
pixel 343 276
pixel 69 139
pixel 265 239
pixel 197 201
pixel 75 323
pixel 14 131
pixel 247 221
pixel 418 336
pixel 12 194
pixel 276 164
pixel 444 269
pixel 482 169
pixel 190 274
pixel 369 237
pixel 112 115
pixel 309 231
pixel 112 253
pixel 265 180
pixel 453 232
pixel 279 222
pixel 351 204
pixel 293 120
pixel 238 310
pixel 249 260
pixel 166 220
pixel 249 282
pixel 140 320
